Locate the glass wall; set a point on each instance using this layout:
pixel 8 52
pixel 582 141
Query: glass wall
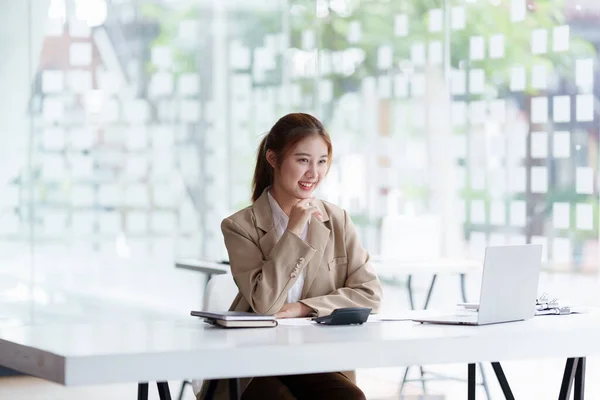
pixel 129 131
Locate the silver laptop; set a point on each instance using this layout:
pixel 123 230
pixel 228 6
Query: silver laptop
pixel 508 287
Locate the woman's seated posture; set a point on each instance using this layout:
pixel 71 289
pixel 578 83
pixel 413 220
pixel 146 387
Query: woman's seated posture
pixel 293 255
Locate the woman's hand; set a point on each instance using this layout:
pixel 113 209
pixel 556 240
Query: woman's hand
pixel 300 214
pixel 294 310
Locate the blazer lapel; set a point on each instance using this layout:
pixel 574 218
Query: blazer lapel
pixel 318 238
pixel 317 235
pixel 263 218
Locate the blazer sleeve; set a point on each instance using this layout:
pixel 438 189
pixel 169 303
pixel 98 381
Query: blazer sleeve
pixel 362 287
pixel 264 282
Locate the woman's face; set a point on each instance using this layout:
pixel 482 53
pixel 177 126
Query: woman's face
pixel 303 168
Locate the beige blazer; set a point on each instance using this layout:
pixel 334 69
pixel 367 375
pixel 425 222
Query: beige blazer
pixel 338 272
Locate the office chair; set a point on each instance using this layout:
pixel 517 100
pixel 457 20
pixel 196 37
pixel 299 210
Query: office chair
pixel 218 296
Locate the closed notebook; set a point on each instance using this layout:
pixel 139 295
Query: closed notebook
pixel 236 319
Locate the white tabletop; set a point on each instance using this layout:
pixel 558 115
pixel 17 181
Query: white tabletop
pixel 110 353
pixel 201 265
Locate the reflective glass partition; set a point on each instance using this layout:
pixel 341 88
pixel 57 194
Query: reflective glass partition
pixel 129 130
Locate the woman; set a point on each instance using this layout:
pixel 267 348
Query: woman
pixel 292 255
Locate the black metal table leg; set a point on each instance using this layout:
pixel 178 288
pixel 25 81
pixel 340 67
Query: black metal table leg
pixel 567 381
pixel 463 293
pixel 471 384
pixel 182 389
pixel 580 380
pixel 404 378
pixel 423 383
pixel 142 391
pixel 410 292
pixel 508 395
pixel 234 389
pixel 163 391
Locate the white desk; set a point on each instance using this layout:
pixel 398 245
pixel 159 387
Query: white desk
pixel 161 351
pixel 385 267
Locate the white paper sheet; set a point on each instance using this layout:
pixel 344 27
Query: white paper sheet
pixel 384 57
pixel 78 28
pixel 517 79
pixel 417 85
pixel 295 321
pixel 497 213
pixel 585 107
pixel 560 38
pixel 584 216
pixel 539 179
pixel 459 113
pixel 539 77
pixel 458 18
pixel 497 46
pixel 561 250
pixel 136 167
pixel 459 81
pixel 477 112
pixel 109 222
pixel 518 180
pixel 562 108
pixel 584 73
pixel 161 57
pixel 477 48
pixel 80 54
pixel 308 39
pixel 539 110
pixel 55 27
pixel 539 41
pixel 435 52
pixel 79 81
pixel 518 213
pixel 162 221
pixel 476 81
pixel 518 10
pixel 544 242
pixel 384 87
pixel 417 53
pixel 54 138
pixel 401 25
pixel 539 144
pixel 584 180
pixel 82 222
pixel 354 31
pixel 400 86
pixel 137 222
pixel 82 196
pixel 561 147
pixel 161 84
pixel 190 111
pixel 498 110
pixel 136 195
pixel 436 19
pixel 53 109
pixel 53 81
pixel 478 178
pixel 109 196
pixel 82 166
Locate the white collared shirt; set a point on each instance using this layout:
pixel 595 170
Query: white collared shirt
pixel 280 223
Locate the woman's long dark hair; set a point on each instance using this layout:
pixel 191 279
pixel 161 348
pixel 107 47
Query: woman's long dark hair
pixel 289 130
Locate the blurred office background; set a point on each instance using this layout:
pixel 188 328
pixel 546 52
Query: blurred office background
pixel 128 130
